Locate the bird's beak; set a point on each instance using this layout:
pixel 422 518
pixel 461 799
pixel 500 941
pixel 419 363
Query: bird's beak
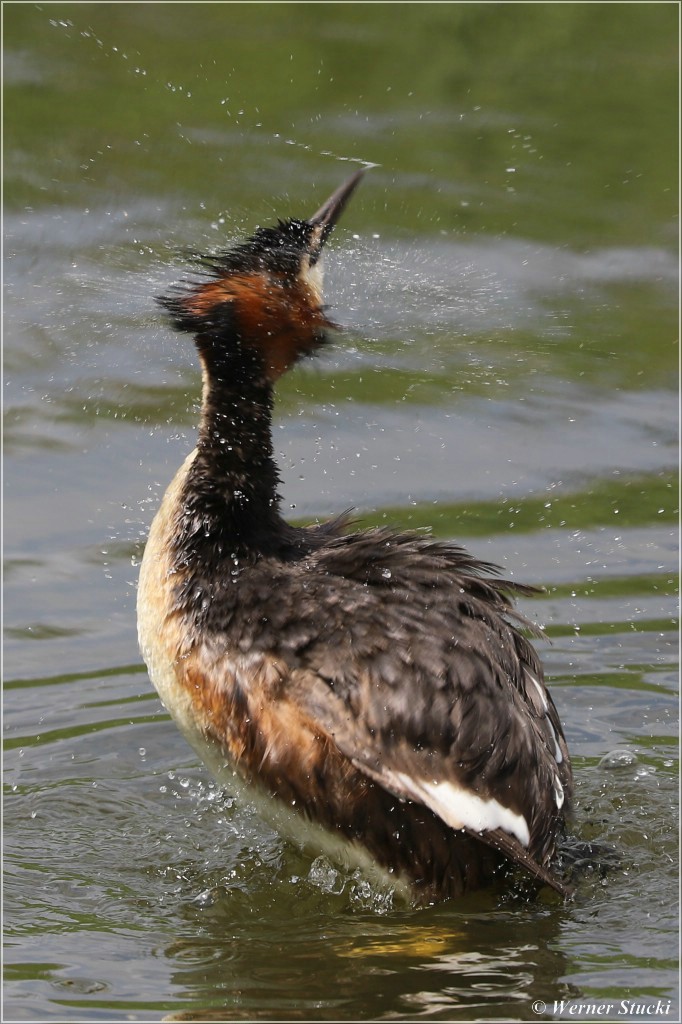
pixel 326 217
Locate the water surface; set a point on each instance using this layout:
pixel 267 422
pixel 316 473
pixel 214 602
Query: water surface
pixel 507 373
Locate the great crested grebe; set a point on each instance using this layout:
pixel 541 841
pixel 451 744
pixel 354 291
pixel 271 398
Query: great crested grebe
pixel 370 685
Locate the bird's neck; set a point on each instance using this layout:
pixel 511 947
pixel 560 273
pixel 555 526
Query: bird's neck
pixel 230 506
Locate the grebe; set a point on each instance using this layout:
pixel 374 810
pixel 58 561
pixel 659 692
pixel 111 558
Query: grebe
pixel 372 684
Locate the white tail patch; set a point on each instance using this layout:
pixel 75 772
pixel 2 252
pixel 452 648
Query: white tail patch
pixel 460 808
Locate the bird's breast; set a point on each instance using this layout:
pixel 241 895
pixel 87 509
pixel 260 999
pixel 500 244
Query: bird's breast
pixel 162 630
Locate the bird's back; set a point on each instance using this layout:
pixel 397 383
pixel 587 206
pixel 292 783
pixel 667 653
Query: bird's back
pixel 352 672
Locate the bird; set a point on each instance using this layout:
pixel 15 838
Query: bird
pixel 374 692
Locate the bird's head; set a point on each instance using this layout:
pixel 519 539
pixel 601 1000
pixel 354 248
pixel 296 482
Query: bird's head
pixel 261 301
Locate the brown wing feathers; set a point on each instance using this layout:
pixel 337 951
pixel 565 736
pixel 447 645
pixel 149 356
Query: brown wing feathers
pixel 439 692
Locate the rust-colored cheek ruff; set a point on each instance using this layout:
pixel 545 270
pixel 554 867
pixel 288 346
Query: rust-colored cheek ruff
pixel 277 316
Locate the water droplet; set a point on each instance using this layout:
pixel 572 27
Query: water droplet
pixel 618 759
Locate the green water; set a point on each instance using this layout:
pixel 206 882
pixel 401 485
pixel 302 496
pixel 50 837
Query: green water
pixel 507 375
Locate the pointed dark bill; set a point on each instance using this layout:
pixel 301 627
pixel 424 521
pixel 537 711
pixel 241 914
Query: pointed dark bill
pixel 330 211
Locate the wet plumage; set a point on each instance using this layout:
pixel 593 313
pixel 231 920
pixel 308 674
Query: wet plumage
pixel 377 683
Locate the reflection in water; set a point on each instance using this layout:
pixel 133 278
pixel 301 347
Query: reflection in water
pixel 444 963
